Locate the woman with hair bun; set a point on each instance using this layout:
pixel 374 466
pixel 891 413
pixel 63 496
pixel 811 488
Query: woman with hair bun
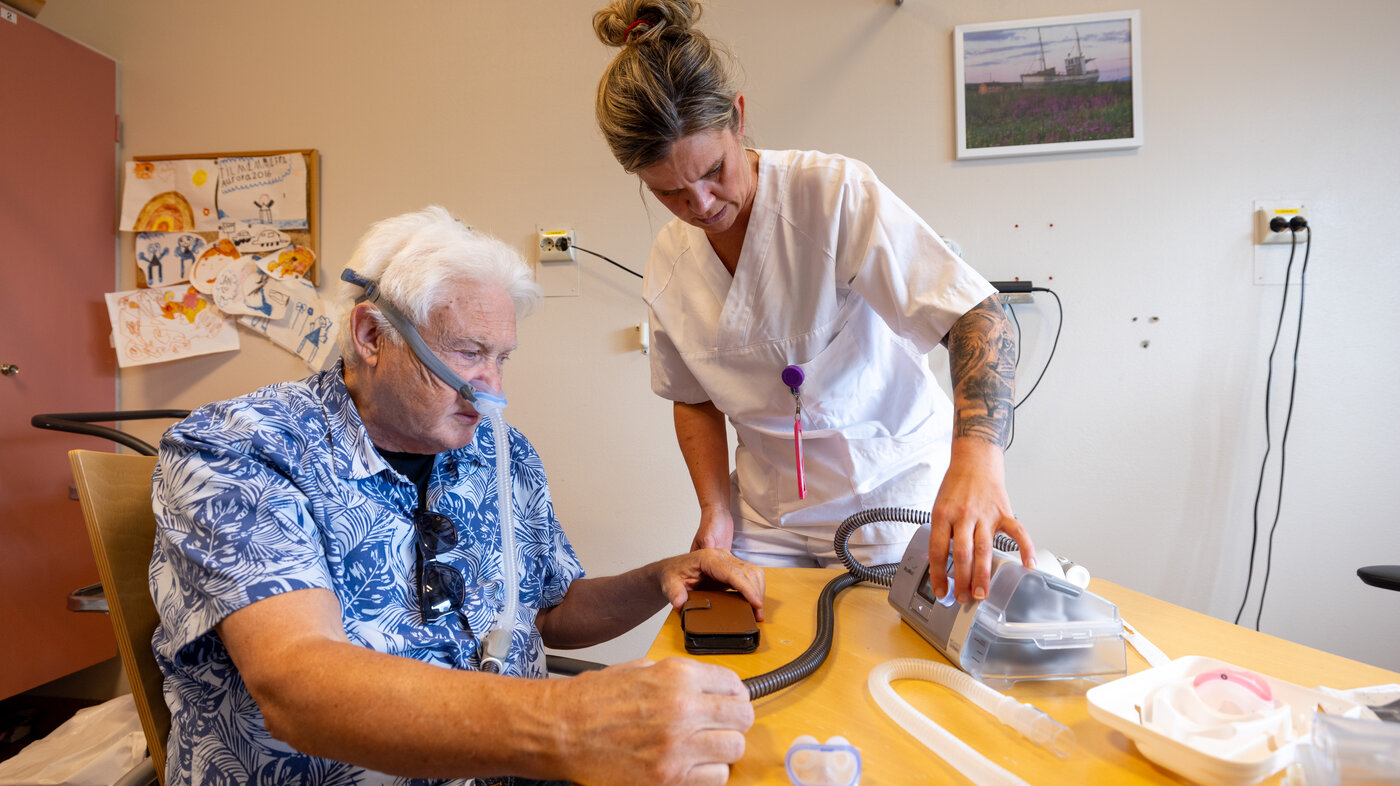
pixel 793 289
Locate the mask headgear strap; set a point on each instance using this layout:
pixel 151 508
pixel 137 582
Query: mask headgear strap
pixel 410 334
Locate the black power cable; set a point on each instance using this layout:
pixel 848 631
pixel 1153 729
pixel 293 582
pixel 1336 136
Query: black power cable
pixel 1059 327
pixel 1268 443
pixel 577 247
pixel 1287 421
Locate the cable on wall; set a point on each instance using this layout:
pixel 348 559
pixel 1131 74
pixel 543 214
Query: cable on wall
pixel 577 247
pixel 1010 309
pixel 1296 225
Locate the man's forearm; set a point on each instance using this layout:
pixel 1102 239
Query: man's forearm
pixel 314 688
pixel 599 609
pixel 982 361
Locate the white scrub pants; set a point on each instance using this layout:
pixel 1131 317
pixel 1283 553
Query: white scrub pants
pixel 778 548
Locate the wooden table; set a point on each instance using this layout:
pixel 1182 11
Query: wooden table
pixel 835 700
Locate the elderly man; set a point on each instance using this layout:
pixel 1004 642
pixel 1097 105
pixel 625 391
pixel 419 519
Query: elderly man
pixel 328 566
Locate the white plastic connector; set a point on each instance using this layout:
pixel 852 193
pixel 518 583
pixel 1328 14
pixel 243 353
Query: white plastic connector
pixel 556 245
pixel 1036 726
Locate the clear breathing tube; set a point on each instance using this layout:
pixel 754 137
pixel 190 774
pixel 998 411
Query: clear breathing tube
pixel 1034 724
pixel 496 645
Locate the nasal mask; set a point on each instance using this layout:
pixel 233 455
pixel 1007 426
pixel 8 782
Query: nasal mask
pixel 496 644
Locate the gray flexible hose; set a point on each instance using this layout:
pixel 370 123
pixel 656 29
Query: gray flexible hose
pixel 814 656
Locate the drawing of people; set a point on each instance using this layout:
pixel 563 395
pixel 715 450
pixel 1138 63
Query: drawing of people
pixel 186 248
pixel 264 206
pixel 154 254
pixel 315 336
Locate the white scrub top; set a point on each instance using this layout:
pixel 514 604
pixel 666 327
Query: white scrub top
pixel 839 276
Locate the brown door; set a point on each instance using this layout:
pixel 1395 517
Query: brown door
pixel 58 164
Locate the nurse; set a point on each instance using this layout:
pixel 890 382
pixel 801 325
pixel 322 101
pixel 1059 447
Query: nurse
pixel 798 258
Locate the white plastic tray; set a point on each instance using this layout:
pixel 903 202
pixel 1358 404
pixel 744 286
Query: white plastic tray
pixel 1116 704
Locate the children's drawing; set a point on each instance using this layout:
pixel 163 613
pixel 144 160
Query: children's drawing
pixel 211 263
pixel 290 262
pixel 242 288
pixel 305 329
pixel 169 196
pixel 188 247
pixel 152 269
pixel 259 239
pixel 165 258
pixel 167 323
pixel 267 190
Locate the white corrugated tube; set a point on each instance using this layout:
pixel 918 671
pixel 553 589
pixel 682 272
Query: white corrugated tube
pixel 1034 724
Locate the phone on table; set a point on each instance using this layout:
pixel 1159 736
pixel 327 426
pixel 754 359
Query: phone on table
pixel 718 622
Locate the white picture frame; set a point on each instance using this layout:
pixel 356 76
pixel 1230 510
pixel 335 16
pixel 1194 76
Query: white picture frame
pixel 1059 84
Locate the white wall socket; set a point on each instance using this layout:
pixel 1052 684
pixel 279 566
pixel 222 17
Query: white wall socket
pixel 1264 212
pixel 556 245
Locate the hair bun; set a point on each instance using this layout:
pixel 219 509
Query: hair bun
pixel 627 21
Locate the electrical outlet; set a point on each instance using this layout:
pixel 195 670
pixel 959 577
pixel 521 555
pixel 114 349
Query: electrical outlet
pixel 1265 212
pixel 556 245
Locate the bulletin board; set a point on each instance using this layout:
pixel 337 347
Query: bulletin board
pixel 311 235
pixel 225 243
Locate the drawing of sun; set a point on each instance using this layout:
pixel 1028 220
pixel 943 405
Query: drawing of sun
pixel 166 212
pixel 199 178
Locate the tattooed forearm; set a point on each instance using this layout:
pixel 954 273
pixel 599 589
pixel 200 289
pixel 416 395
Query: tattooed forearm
pixel 982 359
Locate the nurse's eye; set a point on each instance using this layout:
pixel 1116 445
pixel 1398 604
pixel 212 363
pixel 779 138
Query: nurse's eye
pixel 713 174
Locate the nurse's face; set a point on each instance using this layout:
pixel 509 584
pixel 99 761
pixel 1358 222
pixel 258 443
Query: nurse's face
pixel 706 181
pixel 406 407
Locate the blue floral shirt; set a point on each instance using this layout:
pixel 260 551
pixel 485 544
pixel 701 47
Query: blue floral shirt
pixel 281 490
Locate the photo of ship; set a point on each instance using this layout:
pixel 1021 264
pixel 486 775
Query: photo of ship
pixel 1075 72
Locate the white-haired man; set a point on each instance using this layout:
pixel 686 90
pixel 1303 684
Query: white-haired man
pixel 328 563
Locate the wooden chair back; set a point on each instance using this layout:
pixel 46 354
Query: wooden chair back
pixel 115 490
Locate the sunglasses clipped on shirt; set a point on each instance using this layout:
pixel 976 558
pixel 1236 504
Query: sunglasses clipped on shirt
pixel 441 588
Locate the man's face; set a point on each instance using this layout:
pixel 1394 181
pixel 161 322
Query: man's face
pixel 410 410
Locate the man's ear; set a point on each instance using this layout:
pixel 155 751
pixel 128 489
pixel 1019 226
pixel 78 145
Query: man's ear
pixel 365 332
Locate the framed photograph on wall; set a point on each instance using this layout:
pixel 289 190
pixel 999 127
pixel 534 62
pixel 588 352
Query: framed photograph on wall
pixel 1052 85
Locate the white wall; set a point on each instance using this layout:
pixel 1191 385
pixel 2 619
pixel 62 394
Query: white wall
pixel 1140 463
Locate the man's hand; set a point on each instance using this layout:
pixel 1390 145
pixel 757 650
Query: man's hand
pixel 597 609
pixel 679 575
pixel 674 722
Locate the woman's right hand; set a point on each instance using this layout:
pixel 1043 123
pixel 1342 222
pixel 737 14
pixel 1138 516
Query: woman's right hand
pixel 716 531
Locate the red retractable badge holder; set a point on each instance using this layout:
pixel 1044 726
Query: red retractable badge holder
pixel 793 377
